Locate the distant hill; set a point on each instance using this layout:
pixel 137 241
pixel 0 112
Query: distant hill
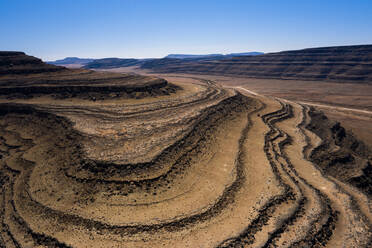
pixel 108 63
pixel 189 59
pixel 341 64
pixel 191 56
pixel 201 56
pixel 71 62
pixel 13 63
pixel 244 54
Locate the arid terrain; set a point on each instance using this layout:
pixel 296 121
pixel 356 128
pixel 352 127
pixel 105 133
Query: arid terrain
pixel 119 159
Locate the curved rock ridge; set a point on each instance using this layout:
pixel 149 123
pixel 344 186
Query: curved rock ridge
pixel 203 166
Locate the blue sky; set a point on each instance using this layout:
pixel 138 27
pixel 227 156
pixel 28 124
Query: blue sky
pixel 52 29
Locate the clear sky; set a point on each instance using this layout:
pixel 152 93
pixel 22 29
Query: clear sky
pixel 53 29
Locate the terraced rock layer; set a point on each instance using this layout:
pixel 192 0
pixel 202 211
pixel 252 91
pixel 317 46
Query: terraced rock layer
pixel 341 64
pixel 203 166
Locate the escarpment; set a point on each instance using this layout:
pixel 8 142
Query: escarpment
pixel 351 64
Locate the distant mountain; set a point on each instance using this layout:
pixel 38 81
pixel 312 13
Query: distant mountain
pixel 202 56
pixel 191 56
pixel 341 64
pixel 244 54
pixel 70 61
pixel 108 63
pixel 182 60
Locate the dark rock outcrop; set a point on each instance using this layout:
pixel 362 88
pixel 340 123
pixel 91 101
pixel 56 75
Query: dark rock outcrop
pixel 341 155
pixel 13 63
